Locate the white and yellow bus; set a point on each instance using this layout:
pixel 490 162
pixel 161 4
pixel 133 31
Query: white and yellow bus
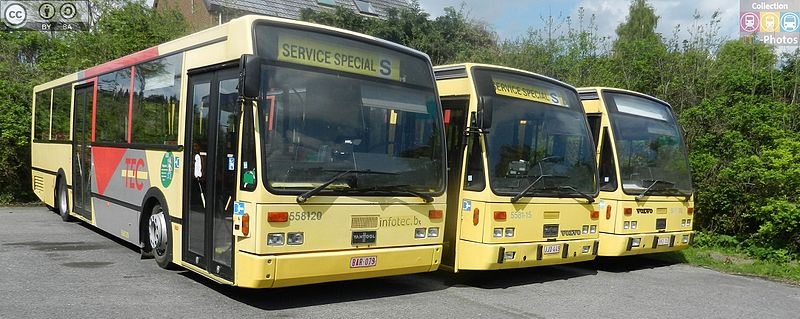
pixel 645 181
pixel 522 176
pixel 259 153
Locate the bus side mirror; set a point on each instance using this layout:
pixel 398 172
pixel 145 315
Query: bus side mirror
pixel 249 76
pixel 485 104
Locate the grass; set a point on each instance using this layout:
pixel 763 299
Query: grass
pixel 730 261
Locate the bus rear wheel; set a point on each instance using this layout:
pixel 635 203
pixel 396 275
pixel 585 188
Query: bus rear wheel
pixel 160 237
pixel 62 203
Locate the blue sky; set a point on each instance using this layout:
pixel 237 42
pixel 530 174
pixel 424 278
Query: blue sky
pixel 512 18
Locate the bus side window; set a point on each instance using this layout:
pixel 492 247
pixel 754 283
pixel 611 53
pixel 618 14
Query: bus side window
pixel 608 174
pixel 474 178
pixel 594 126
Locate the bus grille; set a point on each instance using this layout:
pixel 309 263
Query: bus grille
pixel 364 222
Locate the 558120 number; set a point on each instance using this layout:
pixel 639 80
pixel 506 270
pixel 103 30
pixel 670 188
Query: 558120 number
pixel 305 216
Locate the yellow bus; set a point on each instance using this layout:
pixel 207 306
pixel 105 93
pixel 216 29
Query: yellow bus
pixel 645 181
pixel 522 176
pixel 259 153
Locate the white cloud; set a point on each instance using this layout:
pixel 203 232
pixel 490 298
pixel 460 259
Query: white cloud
pixel 609 14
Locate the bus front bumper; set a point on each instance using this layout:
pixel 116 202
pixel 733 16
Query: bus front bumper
pixel 480 256
pixel 272 271
pixel 625 245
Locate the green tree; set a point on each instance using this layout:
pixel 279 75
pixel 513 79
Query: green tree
pixel 638 52
pixel 28 58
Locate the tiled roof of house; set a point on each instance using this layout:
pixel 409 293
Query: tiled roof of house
pixel 291 8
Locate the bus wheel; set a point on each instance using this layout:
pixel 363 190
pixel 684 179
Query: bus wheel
pixel 62 205
pixel 160 237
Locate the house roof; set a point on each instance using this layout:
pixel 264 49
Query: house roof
pixel 290 9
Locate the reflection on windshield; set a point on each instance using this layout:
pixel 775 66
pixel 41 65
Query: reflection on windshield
pixel 649 147
pixel 315 125
pixel 529 140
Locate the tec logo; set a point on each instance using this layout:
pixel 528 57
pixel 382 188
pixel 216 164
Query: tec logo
pixel 15 15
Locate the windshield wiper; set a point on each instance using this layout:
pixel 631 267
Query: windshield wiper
pixel 588 197
pixel 393 188
pixel 655 182
pixel 302 198
pixel 528 188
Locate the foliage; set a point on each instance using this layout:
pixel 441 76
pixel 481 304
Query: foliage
pixel 450 38
pixel 28 58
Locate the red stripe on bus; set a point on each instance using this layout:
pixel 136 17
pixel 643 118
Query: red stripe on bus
pixel 130 104
pixel 106 160
pixel 120 63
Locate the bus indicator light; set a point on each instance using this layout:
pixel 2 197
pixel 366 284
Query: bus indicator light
pixel 628 211
pixel 245 224
pixel 690 210
pixel 499 215
pixel 277 217
pixel 595 214
pixel 476 216
pixel 435 214
pixel 608 212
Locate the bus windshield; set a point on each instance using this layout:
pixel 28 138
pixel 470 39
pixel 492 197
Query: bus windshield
pixel 335 110
pixel 539 142
pixel 651 153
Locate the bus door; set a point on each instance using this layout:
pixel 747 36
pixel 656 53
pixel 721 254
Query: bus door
pixel 455 121
pixel 210 187
pixel 82 151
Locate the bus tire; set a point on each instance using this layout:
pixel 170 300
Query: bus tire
pixel 62 201
pixel 160 237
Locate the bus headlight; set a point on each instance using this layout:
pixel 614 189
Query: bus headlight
pixel 635 242
pixel 510 232
pixel 585 229
pixel 633 224
pixel 498 232
pixel 419 233
pixel 275 239
pixel 433 232
pixel 683 223
pixel 626 225
pixel 294 238
pixel 593 229
pixel 685 239
pixel 585 249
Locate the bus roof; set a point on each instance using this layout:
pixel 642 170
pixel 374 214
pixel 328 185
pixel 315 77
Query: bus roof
pixel 586 93
pixel 466 66
pixel 211 35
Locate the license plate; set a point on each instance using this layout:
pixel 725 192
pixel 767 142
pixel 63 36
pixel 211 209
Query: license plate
pixel 360 262
pixel 364 237
pixel 663 241
pixel 552 249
